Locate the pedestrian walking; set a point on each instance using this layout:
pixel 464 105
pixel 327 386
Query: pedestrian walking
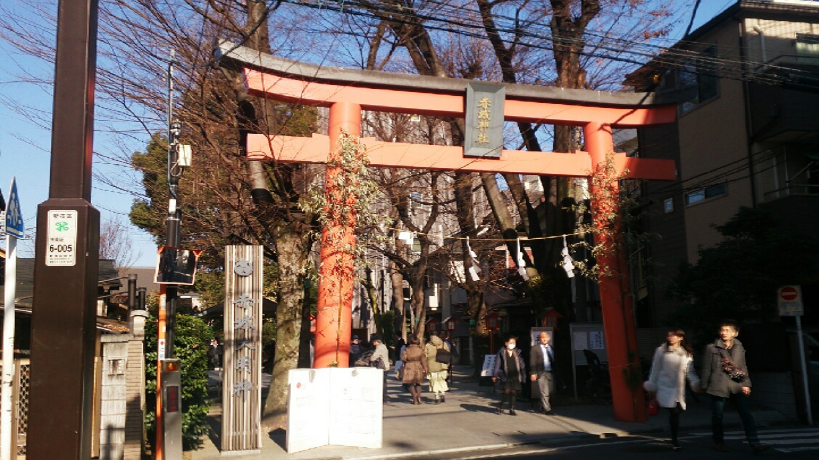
pixel 724 376
pixel 415 368
pixel 215 354
pixel 510 370
pixel 438 363
pixel 380 359
pixel 542 367
pixel 672 366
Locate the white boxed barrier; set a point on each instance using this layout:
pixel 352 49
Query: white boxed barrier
pixel 335 406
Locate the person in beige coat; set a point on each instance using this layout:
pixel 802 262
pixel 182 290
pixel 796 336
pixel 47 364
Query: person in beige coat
pixel 437 371
pixel 672 365
pixel 415 368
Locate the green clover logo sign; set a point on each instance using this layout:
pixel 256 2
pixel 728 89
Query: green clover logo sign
pixel 62 226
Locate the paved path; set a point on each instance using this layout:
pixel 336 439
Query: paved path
pixel 467 422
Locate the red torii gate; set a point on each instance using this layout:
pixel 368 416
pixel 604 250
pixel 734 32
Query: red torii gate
pixel 347 92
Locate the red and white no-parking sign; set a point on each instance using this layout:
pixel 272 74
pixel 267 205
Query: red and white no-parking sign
pixel 789 299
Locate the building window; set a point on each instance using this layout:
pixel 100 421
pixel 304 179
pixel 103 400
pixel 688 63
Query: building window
pixel 702 74
pixel 807 48
pixel 668 205
pixel 712 191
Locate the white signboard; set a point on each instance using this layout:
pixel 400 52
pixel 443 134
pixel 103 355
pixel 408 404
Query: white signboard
pixel 334 406
pixel 308 426
pixel 356 410
pixel 160 349
pixel 789 299
pixel 580 340
pixel 61 242
pixel 488 369
pixel 596 341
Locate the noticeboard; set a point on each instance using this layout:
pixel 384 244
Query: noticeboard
pixel 586 336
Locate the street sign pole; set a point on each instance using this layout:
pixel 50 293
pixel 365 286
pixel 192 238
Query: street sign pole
pixel 789 299
pixel 7 406
pixel 801 343
pixel 13 228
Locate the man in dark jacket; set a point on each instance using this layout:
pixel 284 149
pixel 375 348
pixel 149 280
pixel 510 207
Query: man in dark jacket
pixel 721 385
pixel 542 366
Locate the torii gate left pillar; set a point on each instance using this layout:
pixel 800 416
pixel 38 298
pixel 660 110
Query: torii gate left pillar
pixel 335 289
pixel 347 92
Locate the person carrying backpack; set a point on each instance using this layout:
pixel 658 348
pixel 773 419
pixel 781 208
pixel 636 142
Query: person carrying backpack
pixel 439 359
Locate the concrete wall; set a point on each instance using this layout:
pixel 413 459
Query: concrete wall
pixel 122 389
pixel 113 390
pixel 713 135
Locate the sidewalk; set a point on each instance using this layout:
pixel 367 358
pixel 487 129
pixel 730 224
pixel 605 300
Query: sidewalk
pixel 467 421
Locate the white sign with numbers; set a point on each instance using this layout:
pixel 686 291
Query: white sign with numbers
pixel 61 244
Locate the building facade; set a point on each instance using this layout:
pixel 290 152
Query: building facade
pixel 748 136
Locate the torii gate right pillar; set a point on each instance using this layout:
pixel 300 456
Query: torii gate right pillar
pixel 628 398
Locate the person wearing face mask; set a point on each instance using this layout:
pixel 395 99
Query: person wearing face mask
pixel 725 375
pixel 510 370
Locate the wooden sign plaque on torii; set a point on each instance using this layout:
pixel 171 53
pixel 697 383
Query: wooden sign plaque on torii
pixel 347 92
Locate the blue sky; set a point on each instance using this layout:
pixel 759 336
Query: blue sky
pixel 25 146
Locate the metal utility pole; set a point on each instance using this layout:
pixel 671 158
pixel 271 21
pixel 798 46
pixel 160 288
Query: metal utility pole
pixel 172 222
pixel 66 266
pixel 168 410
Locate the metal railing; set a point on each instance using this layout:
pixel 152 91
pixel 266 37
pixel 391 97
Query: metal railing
pixel 791 190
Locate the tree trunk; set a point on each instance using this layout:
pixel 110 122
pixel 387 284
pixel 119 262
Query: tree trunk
pixel 397 281
pixel 292 256
pixel 505 221
pixel 372 296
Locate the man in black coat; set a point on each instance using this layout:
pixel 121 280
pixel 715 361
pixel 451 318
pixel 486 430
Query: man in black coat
pixel 542 366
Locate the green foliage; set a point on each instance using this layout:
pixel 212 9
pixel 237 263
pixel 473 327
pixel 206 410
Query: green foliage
pixel 268 332
pixel 738 277
pixel 353 196
pixel 153 162
pixel 210 284
pixel 615 226
pixel 386 327
pixel 190 346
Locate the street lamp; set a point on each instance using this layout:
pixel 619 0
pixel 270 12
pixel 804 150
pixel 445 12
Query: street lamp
pixel 450 324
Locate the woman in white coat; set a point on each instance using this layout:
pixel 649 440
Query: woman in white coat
pixel 673 364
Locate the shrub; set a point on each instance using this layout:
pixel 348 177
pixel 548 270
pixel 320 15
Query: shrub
pixel 191 347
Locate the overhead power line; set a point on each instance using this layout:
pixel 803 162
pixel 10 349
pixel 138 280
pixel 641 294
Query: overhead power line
pixel 613 48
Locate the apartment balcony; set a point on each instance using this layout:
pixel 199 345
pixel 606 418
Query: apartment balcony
pixel 796 208
pixel 783 114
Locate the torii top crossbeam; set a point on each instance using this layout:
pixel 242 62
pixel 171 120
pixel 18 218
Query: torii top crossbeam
pixel 484 108
pixel 307 84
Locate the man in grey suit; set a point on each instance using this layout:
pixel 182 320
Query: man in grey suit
pixel 541 365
